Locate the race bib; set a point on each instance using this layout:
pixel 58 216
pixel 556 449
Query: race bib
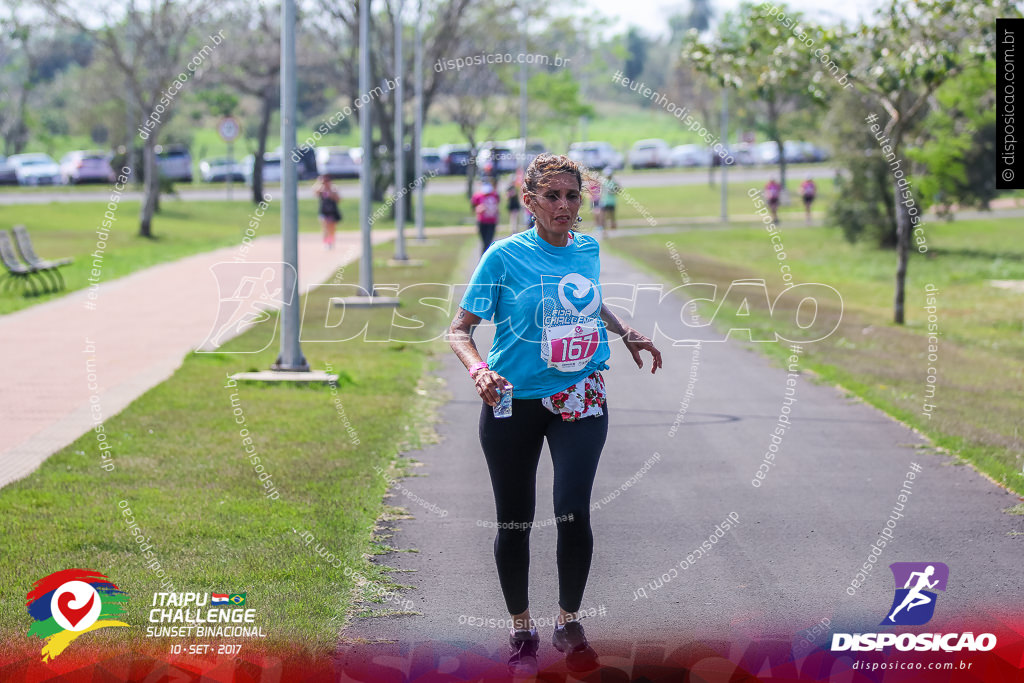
pixel 570 347
pixel 571 325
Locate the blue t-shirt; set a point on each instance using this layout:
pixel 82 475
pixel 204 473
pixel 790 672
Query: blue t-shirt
pixel 546 304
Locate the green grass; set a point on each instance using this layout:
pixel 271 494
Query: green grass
pixel 704 200
pixel 182 470
pixel 981 345
pixel 182 228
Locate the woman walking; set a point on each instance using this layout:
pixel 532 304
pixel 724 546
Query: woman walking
pixel 329 212
pixel 542 289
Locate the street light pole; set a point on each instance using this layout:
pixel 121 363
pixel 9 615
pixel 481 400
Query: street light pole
pixel 366 130
pixel 399 145
pixel 291 357
pixel 418 141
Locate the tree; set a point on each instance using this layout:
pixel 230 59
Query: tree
pixel 765 61
pixel 960 154
pixel 252 66
pixel 897 62
pixel 149 48
pixel 636 48
pixel 33 55
pixel 444 22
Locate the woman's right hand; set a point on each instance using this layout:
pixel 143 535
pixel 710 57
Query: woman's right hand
pixel 488 383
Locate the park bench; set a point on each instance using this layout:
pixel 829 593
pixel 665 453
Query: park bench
pixel 16 270
pixel 28 255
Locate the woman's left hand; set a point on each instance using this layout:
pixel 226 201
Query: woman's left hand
pixel 636 343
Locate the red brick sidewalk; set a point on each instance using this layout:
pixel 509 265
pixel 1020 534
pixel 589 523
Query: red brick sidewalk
pixel 139 331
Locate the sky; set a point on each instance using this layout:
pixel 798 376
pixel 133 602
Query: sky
pixel 649 15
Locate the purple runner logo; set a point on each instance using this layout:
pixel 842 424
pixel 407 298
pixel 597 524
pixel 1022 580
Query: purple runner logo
pixel 918 579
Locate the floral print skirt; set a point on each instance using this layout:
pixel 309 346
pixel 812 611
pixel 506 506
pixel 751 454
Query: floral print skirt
pixel 583 399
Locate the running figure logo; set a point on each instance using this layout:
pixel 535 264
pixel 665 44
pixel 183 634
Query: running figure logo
pixel 914 603
pixel 247 293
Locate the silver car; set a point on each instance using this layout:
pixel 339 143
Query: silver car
pixel 35 169
pixel 84 167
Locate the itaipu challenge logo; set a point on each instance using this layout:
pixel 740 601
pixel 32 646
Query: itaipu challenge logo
pixel 71 602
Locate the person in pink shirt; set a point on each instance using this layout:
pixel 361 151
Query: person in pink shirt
pixel 808 190
pixel 485 203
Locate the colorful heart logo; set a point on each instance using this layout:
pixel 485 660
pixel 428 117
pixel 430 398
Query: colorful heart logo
pixel 73 615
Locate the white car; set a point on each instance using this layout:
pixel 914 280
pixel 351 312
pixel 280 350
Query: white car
pixel 534 148
pixel 595 155
pixel 35 169
pixel 496 157
pixel 766 153
pixel 337 162
pixel 84 167
pixel 691 155
pixel 653 153
pixel 220 170
pixel 271 168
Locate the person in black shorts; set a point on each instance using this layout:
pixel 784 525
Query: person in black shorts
pixel 329 213
pixel 525 283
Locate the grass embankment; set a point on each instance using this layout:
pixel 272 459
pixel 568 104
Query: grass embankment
pixel 182 468
pixel 181 229
pixel 705 201
pixel 979 363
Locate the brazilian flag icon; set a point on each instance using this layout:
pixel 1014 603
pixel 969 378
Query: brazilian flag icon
pixel 236 599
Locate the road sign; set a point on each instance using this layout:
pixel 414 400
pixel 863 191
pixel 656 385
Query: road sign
pixel 228 129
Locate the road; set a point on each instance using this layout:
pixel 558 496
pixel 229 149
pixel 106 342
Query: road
pixel 782 569
pixel 442 185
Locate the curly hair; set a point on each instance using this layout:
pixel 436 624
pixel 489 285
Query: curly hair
pixel 547 165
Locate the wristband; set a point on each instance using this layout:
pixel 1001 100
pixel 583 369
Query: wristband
pixel 477 366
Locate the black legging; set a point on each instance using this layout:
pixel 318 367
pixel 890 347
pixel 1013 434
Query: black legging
pixel 486 231
pixel 512 448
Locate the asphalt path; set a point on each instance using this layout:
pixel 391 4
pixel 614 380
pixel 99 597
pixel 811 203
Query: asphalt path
pixel 441 185
pixel 783 568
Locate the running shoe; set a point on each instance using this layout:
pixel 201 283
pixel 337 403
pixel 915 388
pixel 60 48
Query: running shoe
pixel 522 649
pixel 572 642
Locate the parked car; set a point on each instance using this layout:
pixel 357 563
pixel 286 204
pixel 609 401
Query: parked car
pixel 534 148
pixel 8 176
pixel 744 153
pixel 653 153
pixel 85 167
pixel 794 152
pixel 812 152
pixel 306 167
pixel 595 155
pixel 174 162
pixel 35 169
pixel 220 170
pixel 691 155
pixel 495 157
pixel 432 163
pixel 337 162
pixel 271 168
pixel 766 152
pixel 455 158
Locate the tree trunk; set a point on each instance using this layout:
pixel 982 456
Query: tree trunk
pixel 266 109
pixel 902 252
pixel 152 186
